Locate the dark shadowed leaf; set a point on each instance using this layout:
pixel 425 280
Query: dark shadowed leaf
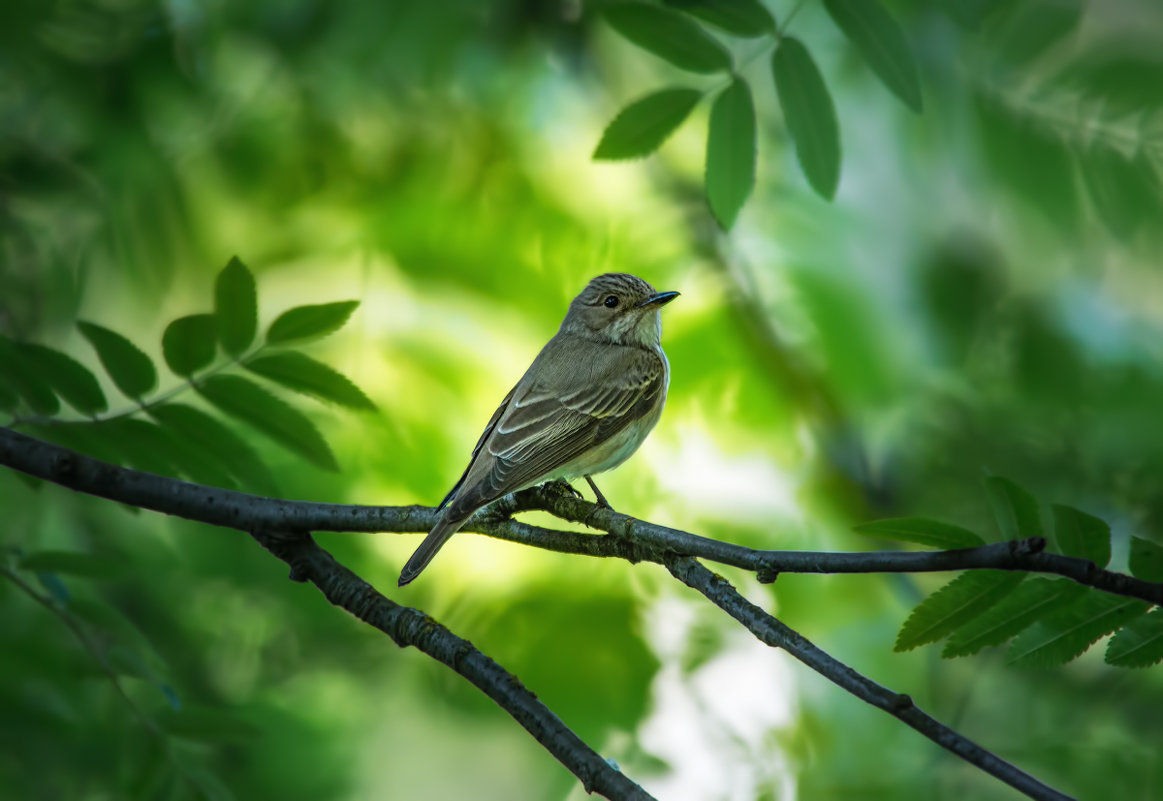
pixel 310 322
pixel 73 563
pixel 922 531
pixel 731 152
pixel 958 602
pixel 739 17
pixel 882 43
pixel 1032 600
pixel 669 35
pixel 9 399
pixel 1146 559
pixel 1139 644
pixel 809 114
pixel 1026 30
pixel 235 307
pixel 255 406
pixel 227 448
pixel 642 127
pixel 54 586
pixel 189 343
pixel 71 379
pixel 22 377
pixel 207 725
pixel 1079 534
pixel 1015 510
pixel 140 444
pixel 1065 633
pixel 304 374
pixel 131 370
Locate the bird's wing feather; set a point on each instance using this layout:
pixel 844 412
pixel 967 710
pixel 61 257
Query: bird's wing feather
pixel 550 422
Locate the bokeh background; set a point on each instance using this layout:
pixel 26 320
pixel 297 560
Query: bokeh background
pixel 984 295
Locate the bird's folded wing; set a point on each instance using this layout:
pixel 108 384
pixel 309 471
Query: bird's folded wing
pixel 545 426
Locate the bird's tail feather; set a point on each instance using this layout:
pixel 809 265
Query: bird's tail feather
pixel 427 550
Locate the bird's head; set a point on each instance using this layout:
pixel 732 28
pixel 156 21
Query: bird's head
pixel 618 308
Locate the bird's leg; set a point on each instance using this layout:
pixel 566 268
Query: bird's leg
pixel 601 498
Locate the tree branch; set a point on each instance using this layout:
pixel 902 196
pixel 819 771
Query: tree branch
pixel 634 540
pixel 411 627
pixel 772 632
pixel 282 527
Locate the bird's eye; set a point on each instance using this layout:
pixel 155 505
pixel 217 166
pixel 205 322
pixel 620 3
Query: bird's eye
pixel 611 301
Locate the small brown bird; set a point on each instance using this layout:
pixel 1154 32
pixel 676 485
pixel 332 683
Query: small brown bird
pixel 584 406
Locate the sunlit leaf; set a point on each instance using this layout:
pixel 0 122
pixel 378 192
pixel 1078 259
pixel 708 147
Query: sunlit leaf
pixel 230 450
pixel 882 43
pixel 71 379
pixel 235 307
pixel 189 343
pixel 1079 534
pixel 301 373
pixel 255 406
pixel 1032 600
pixel 23 377
pixel 131 370
pixel 1065 633
pixel 922 531
pixel 642 127
pixel 1015 510
pixel 809 114
pixel 950 607
pixel 731 152
pixel 207 725
pixel 310 322
pixel 1146 559
pixel 739 17
pixel 1139 644
pixel 670 36
pixel 73 563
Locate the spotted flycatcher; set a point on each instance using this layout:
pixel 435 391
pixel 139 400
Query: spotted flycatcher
pixel 584 406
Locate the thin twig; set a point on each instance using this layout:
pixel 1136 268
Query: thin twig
pixel 772 632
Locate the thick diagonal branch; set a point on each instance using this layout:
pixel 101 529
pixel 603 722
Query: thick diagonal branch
pixel 772 632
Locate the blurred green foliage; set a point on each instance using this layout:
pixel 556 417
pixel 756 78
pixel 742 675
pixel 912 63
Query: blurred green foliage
pixel 983 295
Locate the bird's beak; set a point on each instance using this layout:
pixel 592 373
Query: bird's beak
pixel 659 299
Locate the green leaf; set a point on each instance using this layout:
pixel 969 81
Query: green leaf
pixel 1079 534
pixel 304 374
pixel 1139 644
pixel 1146 560
pixel 1015 509
pixel 670 36
pixel 810 115
pixel 1125 189
pixel 71 379
pixel 206 725
pixel 227 448
pixel 310 322
pixel 140 444
pixel 731 152
pixel 9 399
pixel 950 607
pixel 73 563
pixel 882 43
pixel 921 531
pixel 23 378
pixel 250 403
pixel 235 307
pixel 1064 634
pixel 642 127
pixel 131 370
pixel 189 343
pixel 746 18
pixel 1033 600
